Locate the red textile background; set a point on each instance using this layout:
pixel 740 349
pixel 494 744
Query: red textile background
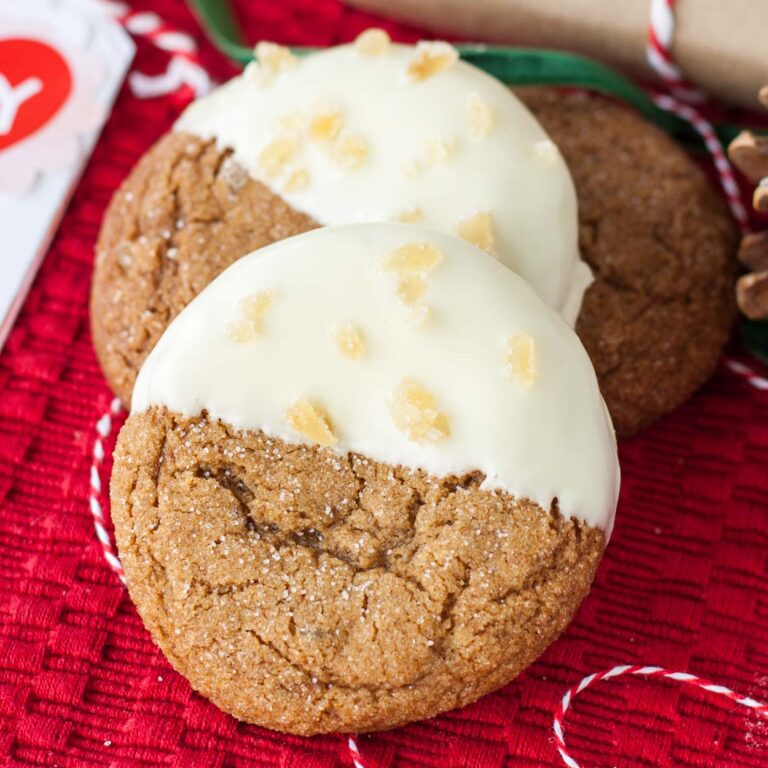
pixel 684 584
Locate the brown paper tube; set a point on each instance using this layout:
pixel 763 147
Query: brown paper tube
pixel 721 45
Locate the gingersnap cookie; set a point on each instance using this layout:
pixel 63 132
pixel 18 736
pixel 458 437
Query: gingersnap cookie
pixel 661 244
pixel 367 477
pixel 365 132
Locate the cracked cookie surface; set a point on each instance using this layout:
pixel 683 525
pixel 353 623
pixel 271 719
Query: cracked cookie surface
pixel 310 591
pixel 652 227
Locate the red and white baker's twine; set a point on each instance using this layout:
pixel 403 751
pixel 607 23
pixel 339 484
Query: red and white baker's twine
pixel 749 375
pixel 185 74
pixel 661 34
pixel 682 94
pixel 685 678
pixel 715 148
pixel 354 753
pixel 104 427
pixel 648 672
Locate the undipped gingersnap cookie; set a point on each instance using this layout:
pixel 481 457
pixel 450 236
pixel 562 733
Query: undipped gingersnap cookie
pixel 661 243
pixel 289 146
pixel 356 495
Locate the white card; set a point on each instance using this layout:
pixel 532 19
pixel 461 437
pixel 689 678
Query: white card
pixel 61 65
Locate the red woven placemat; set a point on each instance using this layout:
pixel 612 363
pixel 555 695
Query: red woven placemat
pixel 684 584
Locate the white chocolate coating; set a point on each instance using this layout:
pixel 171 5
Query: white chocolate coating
pixel 542 439
pixel 422 154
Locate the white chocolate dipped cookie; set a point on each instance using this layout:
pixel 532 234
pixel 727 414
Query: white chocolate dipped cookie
pixel 368 476
pixel 390 132
pixel 371 131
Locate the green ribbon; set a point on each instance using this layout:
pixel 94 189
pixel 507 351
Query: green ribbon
pixel 754 336
pixel 517 66
pixel 513 66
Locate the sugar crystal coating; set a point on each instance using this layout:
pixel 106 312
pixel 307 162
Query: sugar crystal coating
pixel 309 420
pixel 251 309
pixel 430 58
pixel 521 359
pixel 372 42
pixel 348 340
pixel 414 412
pixel 480 116
pixel 478 230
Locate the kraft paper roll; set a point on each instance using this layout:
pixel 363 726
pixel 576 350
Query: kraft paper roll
pixel 721 45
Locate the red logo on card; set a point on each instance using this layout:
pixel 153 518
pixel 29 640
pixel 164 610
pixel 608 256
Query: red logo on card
pixel 35 83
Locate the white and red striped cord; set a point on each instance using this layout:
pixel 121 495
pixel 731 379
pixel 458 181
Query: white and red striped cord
pixel 682 94
pixel 715 148
pixel 558 725
pixel 185 73
pixel 661 34
pixel 686 678
pixel 749 375
pixel 354 753
pixel 96 496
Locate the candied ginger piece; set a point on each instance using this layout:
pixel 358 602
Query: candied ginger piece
pixel 521 360
pixel 251 310
pixel 414 412
pixel 348 340
pixel 292 122
pixel 274 58
pixel 430 58
pixel 277 155
pixel 480 116
pixel 411 168
pixel 372 42
pixel 325 123
pixel 416 256
pixel 255 73
pixel 411 288
pixel 478 230
pixel 411 215
pixel 350 151
pixel 311 422
pixel 298 180
pixel 439 150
